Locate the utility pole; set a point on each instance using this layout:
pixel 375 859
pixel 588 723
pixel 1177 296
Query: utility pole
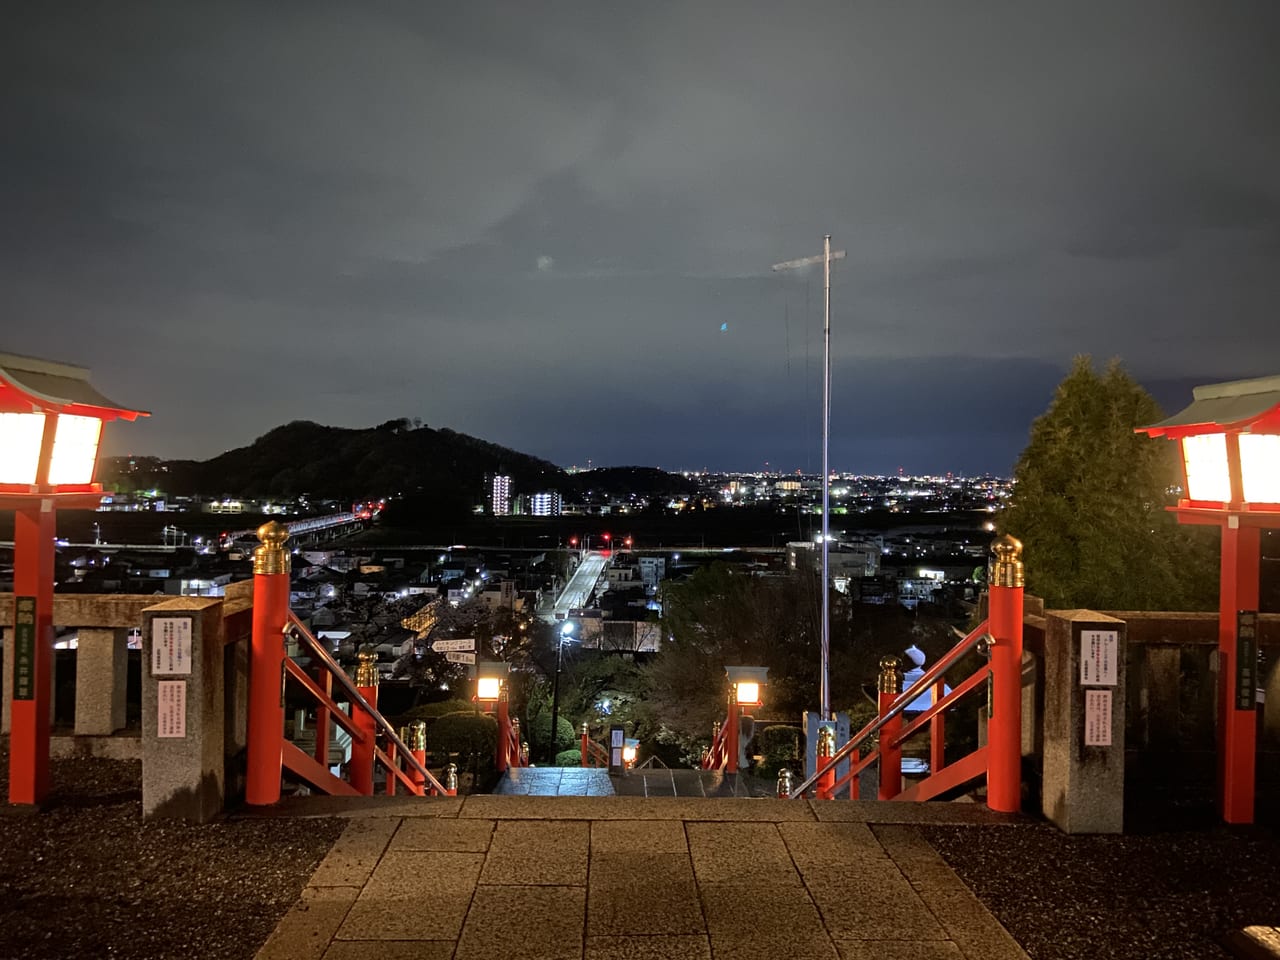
pixel 825 258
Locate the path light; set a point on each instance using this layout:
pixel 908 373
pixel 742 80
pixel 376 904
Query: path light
pixel 51 421
pixel 748 684
pixel 1229 438
pixel 490 677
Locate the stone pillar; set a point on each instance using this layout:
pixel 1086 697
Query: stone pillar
pixel 102 664
pixel 182 709
pixel 1084 712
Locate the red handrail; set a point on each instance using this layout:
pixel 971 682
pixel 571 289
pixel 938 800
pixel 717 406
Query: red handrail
pixel 401 753
pixel 900 703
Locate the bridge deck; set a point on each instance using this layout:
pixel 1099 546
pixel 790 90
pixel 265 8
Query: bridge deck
pixel 492 877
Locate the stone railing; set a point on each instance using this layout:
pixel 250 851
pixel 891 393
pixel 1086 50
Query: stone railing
pixel 1166 697
pixel 189 776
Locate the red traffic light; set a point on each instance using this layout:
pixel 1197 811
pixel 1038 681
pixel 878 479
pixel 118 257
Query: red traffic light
pixel 606 538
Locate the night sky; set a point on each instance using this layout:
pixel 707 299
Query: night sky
pixel 530 221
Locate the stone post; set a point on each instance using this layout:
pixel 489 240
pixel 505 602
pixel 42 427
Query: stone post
pixel 1084 711
pixel 183 709
pixel 102 668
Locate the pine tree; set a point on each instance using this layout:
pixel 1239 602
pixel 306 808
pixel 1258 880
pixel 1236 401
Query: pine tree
pixel 1089 503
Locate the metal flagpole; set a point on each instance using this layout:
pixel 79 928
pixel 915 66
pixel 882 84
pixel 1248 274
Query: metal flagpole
pixel 824 685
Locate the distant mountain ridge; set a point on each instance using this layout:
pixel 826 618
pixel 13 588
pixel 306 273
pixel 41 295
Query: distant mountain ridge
pixel 396 457
pixel 441 470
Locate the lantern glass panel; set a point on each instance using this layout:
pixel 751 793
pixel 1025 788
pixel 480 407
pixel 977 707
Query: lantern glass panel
pixel 1208 477
pixel 1260 467
pixel 75 449
pixel 20 438
pixel 748 692
pixel 488 688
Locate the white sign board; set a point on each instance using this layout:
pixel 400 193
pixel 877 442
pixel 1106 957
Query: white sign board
pixel 1098 652
pixel 454 657
pixel 1097 718
pixel 171 646
pixel 171 710
pixel 444 646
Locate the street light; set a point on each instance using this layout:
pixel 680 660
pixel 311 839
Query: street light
pixel 565 636
pixel 1229 438
pixel 825 258
pixel 51 421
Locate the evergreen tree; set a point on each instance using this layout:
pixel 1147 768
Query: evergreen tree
pixel 1089 504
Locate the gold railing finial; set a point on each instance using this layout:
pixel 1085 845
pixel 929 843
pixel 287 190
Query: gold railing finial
pixel 367 670
pixel 1007 569
pixel 890 675
pixel 271 557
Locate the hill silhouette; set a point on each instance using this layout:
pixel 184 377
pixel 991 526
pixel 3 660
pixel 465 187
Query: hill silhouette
pixel 398 457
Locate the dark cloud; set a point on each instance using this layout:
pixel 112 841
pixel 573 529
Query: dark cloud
pixel 530 221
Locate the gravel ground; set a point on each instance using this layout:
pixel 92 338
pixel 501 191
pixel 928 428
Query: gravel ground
pixel 88 878
pixel 1154 896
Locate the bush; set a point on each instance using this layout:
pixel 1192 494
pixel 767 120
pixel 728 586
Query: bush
pixel 433 711
pixel 569 758
pixel 465 733
pixel 473 738
pixel 780 746
pixel 539 734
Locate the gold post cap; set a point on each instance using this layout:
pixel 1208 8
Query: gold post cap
pixel 367 670
pixel 826 742
pixel 271 557
pixel 890 675
pixel 1007 569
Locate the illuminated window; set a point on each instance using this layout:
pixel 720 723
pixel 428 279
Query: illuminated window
pixel 1260 467
pixel 1208 477
pixel 75 449
pixel 20 438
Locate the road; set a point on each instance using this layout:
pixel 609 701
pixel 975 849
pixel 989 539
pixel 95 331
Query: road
pixel 578 589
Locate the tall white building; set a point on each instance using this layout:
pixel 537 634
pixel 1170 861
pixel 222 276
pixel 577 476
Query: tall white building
pixel 500 495
pixel 546 504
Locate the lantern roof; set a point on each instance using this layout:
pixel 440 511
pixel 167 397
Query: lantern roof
pixel 62 387
pixel 1236 404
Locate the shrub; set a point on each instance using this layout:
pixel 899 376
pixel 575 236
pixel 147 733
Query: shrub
pixel 464 733
pixel 569 758
pixel 432 711
pixel 779 746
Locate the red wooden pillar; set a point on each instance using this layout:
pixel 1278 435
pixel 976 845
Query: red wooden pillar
pixel 585 742
pixel 503 754
pixel 938 731
pixel 415 738
pixel 824 788
pixel 731 734
pixel 890 686
pixel 1237 729
pixel 1004 726
pixel 31 684
pixel 362 756
pixel 271 568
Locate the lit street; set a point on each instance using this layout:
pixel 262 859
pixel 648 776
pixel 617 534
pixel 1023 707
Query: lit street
pixel 578 590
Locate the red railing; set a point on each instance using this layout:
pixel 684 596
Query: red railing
pixel 718 753
pixel 593 755
pixel 403 766
pixel 888 725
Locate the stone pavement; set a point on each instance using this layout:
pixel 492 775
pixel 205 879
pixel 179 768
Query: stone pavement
pixel 623 878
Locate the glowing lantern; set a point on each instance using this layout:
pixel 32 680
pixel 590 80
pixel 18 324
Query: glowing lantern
pixel 1229 438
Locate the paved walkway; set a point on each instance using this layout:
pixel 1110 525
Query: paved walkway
pixel 622 878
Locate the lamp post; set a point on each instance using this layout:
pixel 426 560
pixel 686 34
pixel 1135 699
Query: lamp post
pixel 51 421
pixel 565 636
pixel 491 689
pixel 746 685
pixel 1229 438
pixel 825 258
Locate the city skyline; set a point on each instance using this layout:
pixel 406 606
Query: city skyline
pixel 553 228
